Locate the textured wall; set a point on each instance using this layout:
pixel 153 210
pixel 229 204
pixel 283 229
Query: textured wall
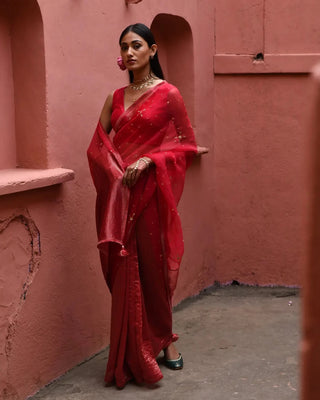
pixel 260 178
pixel 7 148
pixel 264 51
pixel 310 389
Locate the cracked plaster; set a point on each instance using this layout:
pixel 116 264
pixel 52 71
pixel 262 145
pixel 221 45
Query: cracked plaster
pixel 20 258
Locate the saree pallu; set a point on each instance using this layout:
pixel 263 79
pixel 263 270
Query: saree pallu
pixel 139 230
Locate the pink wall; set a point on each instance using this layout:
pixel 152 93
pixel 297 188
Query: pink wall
pixel 260 142
pixel 310 388
pixel 241 212
pixel 7 148
pixel 260 178
pixel 28 68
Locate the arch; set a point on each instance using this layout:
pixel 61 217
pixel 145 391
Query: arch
pixel 23 96
pixel 173 35
pixel 7 128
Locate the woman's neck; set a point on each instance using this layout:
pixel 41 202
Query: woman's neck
pixel 142 74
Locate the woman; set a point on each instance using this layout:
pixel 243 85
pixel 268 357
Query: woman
pixel 139 179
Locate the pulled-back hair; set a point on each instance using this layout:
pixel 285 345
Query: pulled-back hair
pixel 143 31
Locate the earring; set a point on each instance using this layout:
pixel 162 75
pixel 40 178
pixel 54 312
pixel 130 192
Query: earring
pixel 121 63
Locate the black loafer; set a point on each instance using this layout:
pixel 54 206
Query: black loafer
pixel 174 364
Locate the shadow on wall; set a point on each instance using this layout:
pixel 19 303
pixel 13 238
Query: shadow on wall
pixel 22 85
pixel 174 38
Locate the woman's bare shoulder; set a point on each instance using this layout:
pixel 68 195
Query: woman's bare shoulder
pixel 105 117
pixel 110 96
pixel 108 102
pixel 109 99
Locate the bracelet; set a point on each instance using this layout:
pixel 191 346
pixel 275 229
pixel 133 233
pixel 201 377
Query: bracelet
pixel 147 162
pixel 137 164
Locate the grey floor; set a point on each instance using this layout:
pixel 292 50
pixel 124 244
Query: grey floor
pixel 238 342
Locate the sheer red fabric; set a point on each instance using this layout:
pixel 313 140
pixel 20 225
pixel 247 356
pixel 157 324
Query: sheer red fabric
pixel 139 230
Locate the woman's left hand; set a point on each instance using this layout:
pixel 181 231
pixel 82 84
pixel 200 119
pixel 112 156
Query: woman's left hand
pixel 202 150
pixel 134 170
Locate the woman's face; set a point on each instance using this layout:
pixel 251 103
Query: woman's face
pixel 135 51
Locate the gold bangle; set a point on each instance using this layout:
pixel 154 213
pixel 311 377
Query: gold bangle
pixel 137 165
pixel 147 162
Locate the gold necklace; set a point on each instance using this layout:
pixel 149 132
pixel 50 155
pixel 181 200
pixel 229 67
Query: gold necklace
pixel 142 83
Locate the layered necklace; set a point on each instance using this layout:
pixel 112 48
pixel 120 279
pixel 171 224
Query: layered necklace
pixel 143 83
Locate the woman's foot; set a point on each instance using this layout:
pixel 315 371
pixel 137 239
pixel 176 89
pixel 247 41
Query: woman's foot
pixel 171 353
pixel 172 358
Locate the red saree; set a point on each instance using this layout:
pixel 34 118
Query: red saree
pixel 139 231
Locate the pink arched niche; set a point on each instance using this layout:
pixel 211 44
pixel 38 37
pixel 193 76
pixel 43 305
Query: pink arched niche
pixel 174 38
pixel 23 94
pixel 7 126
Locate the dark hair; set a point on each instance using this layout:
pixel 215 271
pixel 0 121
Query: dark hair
pixel 143 31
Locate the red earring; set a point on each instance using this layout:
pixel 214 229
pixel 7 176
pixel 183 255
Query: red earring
pixel 121 63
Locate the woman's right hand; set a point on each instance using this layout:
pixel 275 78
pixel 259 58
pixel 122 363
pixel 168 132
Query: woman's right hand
pixel 134 170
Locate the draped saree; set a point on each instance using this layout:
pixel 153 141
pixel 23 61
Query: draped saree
pixel 139 230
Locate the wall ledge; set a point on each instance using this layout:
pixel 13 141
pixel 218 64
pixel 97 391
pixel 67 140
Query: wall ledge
pixel 21 179
pixel 271 64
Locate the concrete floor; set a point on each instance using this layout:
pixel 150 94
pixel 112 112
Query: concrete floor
pixel 238 342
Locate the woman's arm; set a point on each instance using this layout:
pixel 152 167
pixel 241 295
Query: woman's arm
pixel 105 117
pixel 181 120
